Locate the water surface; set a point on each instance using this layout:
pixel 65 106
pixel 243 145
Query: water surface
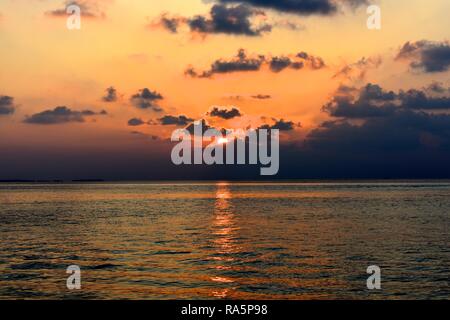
pixel 225 240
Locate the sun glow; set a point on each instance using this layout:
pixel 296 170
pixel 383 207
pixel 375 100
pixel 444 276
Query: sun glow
pixel 222 140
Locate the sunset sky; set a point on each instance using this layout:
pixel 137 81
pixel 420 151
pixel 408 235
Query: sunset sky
pixel 101 102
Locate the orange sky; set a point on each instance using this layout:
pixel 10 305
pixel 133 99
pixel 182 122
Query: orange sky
pixel 44 65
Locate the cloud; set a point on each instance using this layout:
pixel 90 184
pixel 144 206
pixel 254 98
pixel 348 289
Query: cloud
pixel 134 122
pixel 401 131
pixel 205 126
pixel 407 143
pixel 278 64
pixel 372 101
pixel 437 87
pixel 426 56
pixel 6 105
pixel 262 96
pixel 233 20
pixel 247 18
pixel 146 99
pixel 89 8
pixel 281 125
pixel 229 20
pixel 313 62
pixel 242 62
pixel 175 120
pixel 419 100
pixel 346 107
pixel 61 115
pixel 111 95
pixel 303 7
pixel 357 71
pixel 300 7
pixel 169 23
pixel 224 113
pixel 301 60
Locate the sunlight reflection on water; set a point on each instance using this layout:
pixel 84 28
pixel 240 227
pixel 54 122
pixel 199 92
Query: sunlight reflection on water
pixel 225 240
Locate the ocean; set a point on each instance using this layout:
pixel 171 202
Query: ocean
pixel 225 240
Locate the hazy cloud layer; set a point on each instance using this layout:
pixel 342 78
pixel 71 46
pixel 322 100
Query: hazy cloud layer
pixel 61 115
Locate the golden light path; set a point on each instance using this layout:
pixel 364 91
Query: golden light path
pixel 225 233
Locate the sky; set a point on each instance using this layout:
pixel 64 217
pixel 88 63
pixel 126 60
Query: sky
pixel 102 101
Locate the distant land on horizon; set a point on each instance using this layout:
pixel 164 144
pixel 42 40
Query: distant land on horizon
pixel 318 180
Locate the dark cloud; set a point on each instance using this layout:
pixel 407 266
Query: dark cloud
pixel 147 99
pixel 419 100
pixel 278 64
pixel 229 20
pixel 246 17
pixel 281 125
pixel 243 62
pixel 60 115
pixel 93 113
pixel 401 144
pixel 6 105
pixel 373 101
pixel 262 96
pixel 225 113
pixel 111 95
pixel 426 56
pixel 406 144
pixel 238 64
pixel 344 106
pixel 403 130
pixel 373 92
pixel 88 8
pixel 301 7
pixel 175 120
pixel 314 62
pixel 205 126
pixel 233 20
pixel 134 122
pixel 301 60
